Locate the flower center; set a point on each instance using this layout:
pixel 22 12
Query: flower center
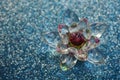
pixel 76 39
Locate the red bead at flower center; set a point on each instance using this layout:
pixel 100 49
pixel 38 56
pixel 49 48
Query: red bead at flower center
pixel 77 39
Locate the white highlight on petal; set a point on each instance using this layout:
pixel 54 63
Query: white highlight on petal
pixel 98 35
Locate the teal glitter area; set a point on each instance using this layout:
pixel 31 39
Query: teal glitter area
pixel 23 55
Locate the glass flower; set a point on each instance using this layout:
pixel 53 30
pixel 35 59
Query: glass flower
pixel 75 38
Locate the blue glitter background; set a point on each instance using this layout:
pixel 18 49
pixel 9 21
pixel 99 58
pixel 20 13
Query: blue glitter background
pixel 23 55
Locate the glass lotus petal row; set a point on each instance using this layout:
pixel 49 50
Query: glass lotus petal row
pixel 74 39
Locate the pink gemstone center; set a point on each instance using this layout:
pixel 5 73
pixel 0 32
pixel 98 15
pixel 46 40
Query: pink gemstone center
pixel 77 38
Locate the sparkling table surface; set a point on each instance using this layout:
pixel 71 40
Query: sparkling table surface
pixel 23 54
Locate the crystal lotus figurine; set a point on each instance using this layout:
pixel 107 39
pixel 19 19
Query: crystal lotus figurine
pixel 74 39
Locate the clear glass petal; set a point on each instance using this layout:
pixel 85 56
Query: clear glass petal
pixel 65 39
pixel 61 48
pixel 72 50
pixel 67 61
pixel 51 38
pixel 97 29
pixel 62 29
pixel 87 33
pixel 93 42
pixel 69 17
pixel 95 57
pixel 81 55
pixel 74 28
pixel 83 24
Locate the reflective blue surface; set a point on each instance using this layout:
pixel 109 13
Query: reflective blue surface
pixel 24 56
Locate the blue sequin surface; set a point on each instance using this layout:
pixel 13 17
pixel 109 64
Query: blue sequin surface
pixel 24 55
